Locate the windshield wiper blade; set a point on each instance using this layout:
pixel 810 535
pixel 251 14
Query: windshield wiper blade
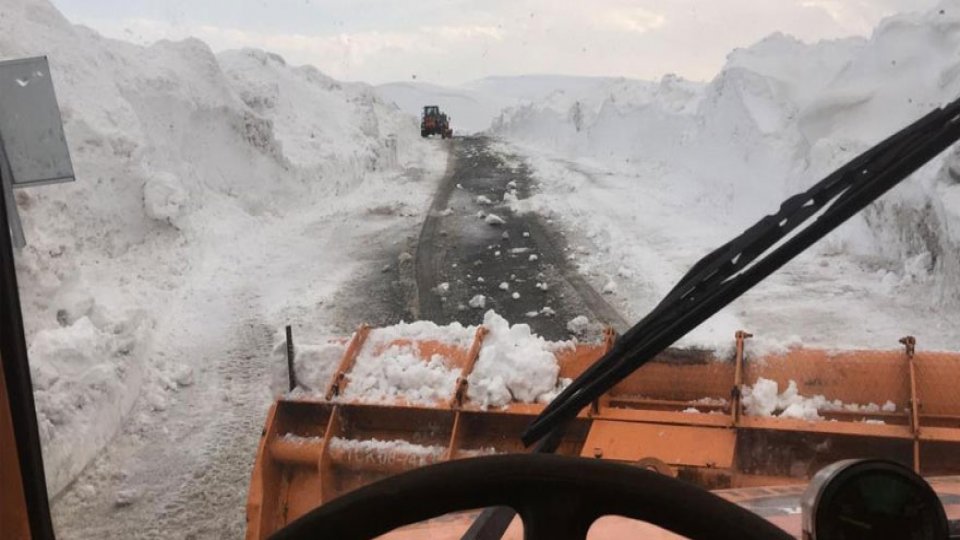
pixel 729 271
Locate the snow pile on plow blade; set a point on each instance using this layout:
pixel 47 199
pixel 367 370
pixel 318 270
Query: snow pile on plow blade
pixel 412 395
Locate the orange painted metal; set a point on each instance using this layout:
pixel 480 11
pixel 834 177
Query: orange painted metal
pixel 305 452
pixel 694 446
pixel 349 357
pixel 472 355
pixel 910 343
pixel 741 338
pixel 14 520
pixel 314 449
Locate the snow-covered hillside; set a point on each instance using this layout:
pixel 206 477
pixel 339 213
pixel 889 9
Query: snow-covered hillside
pixel 649 181
pixel 197 177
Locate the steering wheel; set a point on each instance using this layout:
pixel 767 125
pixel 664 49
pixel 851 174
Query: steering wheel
pixel 557 497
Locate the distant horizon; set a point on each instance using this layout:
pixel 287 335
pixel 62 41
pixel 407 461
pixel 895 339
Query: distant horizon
pixel 455 43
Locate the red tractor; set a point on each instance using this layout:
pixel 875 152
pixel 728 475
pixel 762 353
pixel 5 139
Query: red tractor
pixel 433 122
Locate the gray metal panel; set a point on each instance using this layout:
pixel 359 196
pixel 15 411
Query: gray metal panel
pixel 13 217
pixel 31 130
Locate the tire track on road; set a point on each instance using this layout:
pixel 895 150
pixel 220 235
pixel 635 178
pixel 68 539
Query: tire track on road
pixel 458 248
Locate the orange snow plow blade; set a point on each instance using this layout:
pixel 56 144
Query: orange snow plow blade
pixel 684 414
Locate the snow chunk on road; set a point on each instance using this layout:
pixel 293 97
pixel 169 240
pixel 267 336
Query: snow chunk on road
pixel 504 286
pixel 483 199
pixel 164 198
pixel 578 324
pixel 494 220
pixel 610 287
pixel 478 302
pixel 442 288
pixel 514 364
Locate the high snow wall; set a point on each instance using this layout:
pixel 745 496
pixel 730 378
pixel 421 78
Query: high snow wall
pixel 172 146
pixel 779 116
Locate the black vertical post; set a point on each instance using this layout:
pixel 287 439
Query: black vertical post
pixel 16 372
pixel 291 374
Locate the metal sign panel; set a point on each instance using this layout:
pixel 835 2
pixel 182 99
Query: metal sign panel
pixel 31 130
pixel 13 217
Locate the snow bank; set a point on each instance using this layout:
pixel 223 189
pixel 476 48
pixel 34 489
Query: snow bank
pixel 655 174
pixel 514 365
pixel 80 386
pixel 182 157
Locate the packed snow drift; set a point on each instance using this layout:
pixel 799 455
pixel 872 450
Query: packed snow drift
pixel 648 177
pixel 204 183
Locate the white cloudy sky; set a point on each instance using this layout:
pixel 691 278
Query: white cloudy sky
pixel 453 41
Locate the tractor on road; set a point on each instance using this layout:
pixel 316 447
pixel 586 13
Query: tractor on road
pixel 434 122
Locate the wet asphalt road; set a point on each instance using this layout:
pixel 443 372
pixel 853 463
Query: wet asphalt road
pixel 518 266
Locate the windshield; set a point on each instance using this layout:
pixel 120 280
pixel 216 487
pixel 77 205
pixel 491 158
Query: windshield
pixel 281 251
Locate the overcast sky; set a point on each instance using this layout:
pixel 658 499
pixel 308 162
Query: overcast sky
pixel 453 41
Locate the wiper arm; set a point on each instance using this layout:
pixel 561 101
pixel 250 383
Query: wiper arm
pixel 731 270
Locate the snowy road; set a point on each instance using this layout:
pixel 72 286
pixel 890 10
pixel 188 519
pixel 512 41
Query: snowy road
pixel 476 253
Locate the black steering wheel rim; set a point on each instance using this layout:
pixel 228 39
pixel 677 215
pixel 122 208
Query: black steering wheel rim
pixel 557 497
